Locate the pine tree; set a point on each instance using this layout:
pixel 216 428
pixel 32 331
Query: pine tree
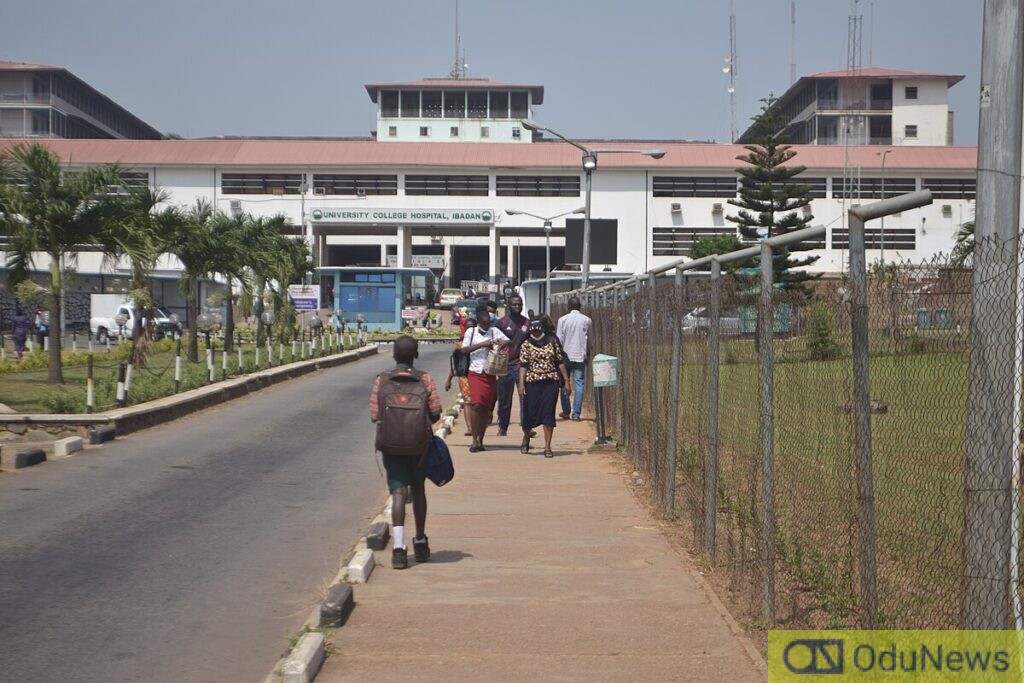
pixel 769 201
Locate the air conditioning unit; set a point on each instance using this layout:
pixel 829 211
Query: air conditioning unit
pixel 947 210
pixel 677 207
pixel 319 191
pixel 716 207
pixel 235 205
pixel 360 192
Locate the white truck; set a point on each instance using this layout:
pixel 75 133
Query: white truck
pixel 103 321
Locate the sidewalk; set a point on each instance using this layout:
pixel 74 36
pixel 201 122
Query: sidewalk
pixel 542 569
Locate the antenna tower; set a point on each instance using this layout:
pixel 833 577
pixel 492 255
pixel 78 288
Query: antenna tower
pixel 458 70
pixel 792 42
pixel 850 96
pixel 730 68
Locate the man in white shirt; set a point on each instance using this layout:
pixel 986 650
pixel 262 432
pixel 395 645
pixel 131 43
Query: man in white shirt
pixel 483 388
pixel 573 332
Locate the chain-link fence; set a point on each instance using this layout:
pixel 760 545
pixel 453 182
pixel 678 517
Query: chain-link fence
pixel 827 445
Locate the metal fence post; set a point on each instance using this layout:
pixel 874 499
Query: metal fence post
pixel 862 423
pixel 711 473
pixel 624 431
pixel 652 285
pixel 765 340
pixel 671 445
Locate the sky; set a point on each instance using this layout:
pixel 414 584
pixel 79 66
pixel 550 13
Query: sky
pixel 637 69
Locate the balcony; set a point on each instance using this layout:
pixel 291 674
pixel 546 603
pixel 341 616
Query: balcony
pixel 833 104
pixel 22 98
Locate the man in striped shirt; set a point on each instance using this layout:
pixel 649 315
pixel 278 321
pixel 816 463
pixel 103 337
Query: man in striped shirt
pixel 404 471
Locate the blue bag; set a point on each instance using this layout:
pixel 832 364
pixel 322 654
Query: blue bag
pixel 439 467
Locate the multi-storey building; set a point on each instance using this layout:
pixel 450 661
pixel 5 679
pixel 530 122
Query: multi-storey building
pixel 39 101
pixel 870 106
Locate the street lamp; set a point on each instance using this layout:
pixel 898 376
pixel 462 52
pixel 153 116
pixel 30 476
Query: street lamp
pixel 547 246
pixel 589 164
pixel 882 235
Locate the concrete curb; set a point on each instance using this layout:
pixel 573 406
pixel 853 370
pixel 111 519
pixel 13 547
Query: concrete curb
pixel 27 458
pixel 305 660
pixel 340 601
pixel 63 448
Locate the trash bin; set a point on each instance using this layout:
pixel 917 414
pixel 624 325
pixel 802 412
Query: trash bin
pixel 924 319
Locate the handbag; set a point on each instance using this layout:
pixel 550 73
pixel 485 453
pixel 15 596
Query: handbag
pixel 460 359
pixel 439 467
pixel 497 362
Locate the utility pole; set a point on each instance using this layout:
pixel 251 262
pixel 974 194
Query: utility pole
pixel 992 444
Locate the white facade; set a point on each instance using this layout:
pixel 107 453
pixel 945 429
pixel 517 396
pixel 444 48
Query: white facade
pixel 924 120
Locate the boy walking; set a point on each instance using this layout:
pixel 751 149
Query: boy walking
pixel 404 403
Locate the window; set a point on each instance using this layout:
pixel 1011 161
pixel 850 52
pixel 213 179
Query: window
pixel 392 131
pixel 455 131
pixel 537 186
pixel 389 103
pixel 517 134
pixel 410 104
pixel 910 92
pixel 950 188
pixel 499 104
pixel 356 184
pixel 431 104
pixel 894 238
pixel 477 106
pixel 694 186
pixel 424 131
pixel 910 131
pixel 677 241
pixel 518 105
pixel 135 179
pixel 455 104
pixel 485 131
pixel 453 185
pixel 260 183
pixel 871 188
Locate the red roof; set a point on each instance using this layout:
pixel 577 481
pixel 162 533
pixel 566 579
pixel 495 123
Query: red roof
pixel 483 156
pixel 456 84
pixel 877 72
pixel 22 66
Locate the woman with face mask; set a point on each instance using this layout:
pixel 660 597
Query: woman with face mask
pixel 540 371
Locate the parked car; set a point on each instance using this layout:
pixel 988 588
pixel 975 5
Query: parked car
pixel 698 322
pixel 448 297
pixel 105 309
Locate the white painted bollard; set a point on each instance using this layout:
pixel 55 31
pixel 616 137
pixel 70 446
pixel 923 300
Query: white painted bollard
pixel 177 370
pixel 257 350
pixel 293 349
pixel 62 448
pixel 240 358
pixel 108 343
pixel 90 397
pixel 224 361
pixel 128 378
pixel 74 344
pixel 90 346
pixel 280 352
pixel 46 343
pixel 360 566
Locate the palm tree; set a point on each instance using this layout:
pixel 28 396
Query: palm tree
pixel 47 209
pixel 963 249
pixel 228 258
pixel 190 241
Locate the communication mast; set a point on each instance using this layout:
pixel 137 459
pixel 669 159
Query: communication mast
pixel 849 100
pixel 730 68
pixel 792 42
pixel 458 70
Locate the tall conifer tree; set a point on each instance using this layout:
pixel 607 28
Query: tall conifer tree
pixel 769 201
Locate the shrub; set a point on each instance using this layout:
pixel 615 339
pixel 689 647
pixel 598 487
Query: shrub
pixel 64 402
pixel 821 344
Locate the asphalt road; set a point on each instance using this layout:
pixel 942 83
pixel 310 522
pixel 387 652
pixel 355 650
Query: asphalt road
pixel 189 552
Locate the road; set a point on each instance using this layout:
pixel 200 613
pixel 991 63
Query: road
pixel 189 552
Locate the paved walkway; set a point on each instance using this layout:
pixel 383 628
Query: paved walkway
pixel 542 569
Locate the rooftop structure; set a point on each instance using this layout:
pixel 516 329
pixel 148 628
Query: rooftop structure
pixel 41 101
pixel 869 106
pixel 453 110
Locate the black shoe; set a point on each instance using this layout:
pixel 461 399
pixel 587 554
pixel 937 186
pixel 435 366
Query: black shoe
pixel 564 416
pixel 399 558
pixel 421 549
pixel 502 432
pixel 474 448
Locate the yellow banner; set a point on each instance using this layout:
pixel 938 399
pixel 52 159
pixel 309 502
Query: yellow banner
pixel 806 656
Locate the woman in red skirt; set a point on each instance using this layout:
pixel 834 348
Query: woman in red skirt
pixel 483 388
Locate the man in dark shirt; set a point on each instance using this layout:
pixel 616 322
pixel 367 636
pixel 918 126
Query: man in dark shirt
pixel 516 327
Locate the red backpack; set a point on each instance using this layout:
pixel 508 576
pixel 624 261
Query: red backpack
pixel 403 414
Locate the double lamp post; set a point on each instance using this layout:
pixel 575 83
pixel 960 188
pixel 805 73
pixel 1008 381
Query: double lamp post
pixel 589 164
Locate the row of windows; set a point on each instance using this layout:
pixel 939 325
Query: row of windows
pixel 453 131
pixel 454 104
pixel 676 241
pixel 722 187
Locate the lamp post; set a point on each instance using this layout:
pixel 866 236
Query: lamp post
pixel 589 164
pixel 547 246
pixel 882 154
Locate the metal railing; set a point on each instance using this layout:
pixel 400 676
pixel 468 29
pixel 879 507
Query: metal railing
pixel 814 438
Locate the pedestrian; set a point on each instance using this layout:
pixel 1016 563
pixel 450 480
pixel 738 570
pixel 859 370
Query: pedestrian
pixel 573 332
pixel 483 388
pixel 404 403
pixel 541 373
pixel 19 332
pixel 516 327
pixel 42 329
pixel 492 308
pixel 463 381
